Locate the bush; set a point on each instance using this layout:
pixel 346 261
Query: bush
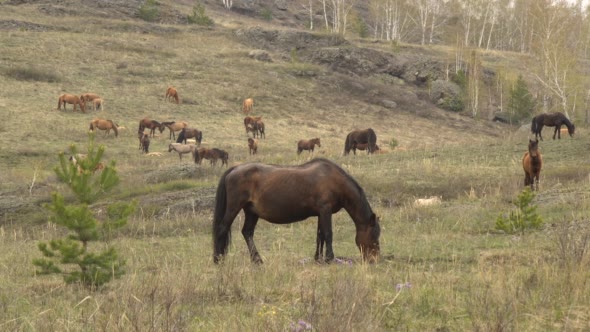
pixel 521 101
pixel 266 14
pixel 199 17
pixel 523 218
pixel 149 11
pixel 393 143
pixel 31 74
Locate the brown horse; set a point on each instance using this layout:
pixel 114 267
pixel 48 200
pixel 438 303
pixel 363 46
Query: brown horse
pixel 71 99
pixel 287 194
pixel 212 155
pixel 532 161
pixel 355 137
pixel 252 145
pixel 104 124
pixel 556 119
pixel 174 126
pixel 152 125
pixel 248 106
pixel 171 93
pixel 308 145
pixel 88 97
pixel 98 103
pixel 145 143
pixel 249 122
pixel 190 133
pixel 259 127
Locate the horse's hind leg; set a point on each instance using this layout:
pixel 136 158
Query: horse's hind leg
pixel 325 228
pixel 248 233
pixel 319 248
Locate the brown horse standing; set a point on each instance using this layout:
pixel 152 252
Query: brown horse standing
pixel 174 126
pixel 152 125
pixel 532 161
pixel 71 99
pixel 104 124
pixel 355 137
pixel 308 145
pixel 212 155
pixel 88 97
pixel 145 143
pixel 252 145
pixel 249 122
pixel 287 194
pixel 98 103
pixel 186 133
pixel 172 93
pixel 556 119
pixel 248 106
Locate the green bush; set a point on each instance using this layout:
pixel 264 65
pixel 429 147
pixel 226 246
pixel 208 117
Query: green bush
pixel 521 101
pixel 149 11
pixel 393 143
pixel 199 17
pixel 71 256
pixel 524 217
pixel 266 14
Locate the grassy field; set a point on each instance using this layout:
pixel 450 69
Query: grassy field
pixel 443 268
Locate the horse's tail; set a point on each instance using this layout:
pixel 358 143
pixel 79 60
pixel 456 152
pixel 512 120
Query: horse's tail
pixel 534 125
pixel 196 155
pixel 371 140
pixel 91 126
pixel 199 137
pixel 221 232
pixel 114 125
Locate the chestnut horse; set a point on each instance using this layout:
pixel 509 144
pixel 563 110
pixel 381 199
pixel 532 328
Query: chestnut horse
pixel 98 103
pixel 152 125
pixel 86 97
pixel 174 126
pixel 248 106
pixel 249 121
pixel 532 161
pixel 287 194
pixel 104 124
pixel 172 93
pixel 252 145
pixel 190 133
pixel 308 145
pixel 366 136
pixel 212 155
pixel 556 119
pixel 71 99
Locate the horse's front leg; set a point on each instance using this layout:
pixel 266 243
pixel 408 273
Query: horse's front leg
pixel 248 233
pixel 557 132
pixel 325 225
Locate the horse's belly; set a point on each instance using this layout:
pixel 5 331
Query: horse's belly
pixel 283 212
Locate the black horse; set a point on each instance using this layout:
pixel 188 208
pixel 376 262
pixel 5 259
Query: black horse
pixel 556 119
pixel 286 194
pixel 366 136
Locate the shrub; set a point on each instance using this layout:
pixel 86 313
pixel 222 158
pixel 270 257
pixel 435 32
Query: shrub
pixel 71 256
pixel 199 17
pixel 523 218
pixel 149 11
pixel 266 14
pixel 31 74
pixel 393 143
pixel 521 101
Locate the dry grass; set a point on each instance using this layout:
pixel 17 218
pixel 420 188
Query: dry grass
pixel 463 274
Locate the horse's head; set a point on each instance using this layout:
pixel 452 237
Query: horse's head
pixel 571 130
pixel 170 147
pixel 161 127
pixel 367 239
pixel 317 141
pixel 533 148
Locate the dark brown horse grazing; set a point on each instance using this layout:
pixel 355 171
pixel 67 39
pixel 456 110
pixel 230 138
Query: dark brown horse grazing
pixel 556 119
pixel 532 161
pixel 287 194
pixel 174 126
pixel 152 125
pixel 308 145
pixel 71 99
pixel 366 136
pixel 212 155
pixel 104 124
pixel 186 133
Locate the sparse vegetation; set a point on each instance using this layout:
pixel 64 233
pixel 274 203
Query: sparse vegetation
pixel 149 11
pixel 443 267
pixel 31 74
pixel 199 17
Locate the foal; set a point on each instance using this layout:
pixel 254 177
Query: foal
pixel 532 161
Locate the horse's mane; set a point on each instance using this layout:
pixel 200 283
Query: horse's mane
pixel 168 123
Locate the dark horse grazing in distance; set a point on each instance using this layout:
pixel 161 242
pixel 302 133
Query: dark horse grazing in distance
pixel 152 125
pixel 556 119
pixel 532 161
pixel 366 136
pixel 287 194
pixel 186 133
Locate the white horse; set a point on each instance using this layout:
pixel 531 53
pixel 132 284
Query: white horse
pixel 181 148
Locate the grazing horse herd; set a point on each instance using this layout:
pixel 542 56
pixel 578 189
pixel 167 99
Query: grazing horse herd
pixel 286 194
